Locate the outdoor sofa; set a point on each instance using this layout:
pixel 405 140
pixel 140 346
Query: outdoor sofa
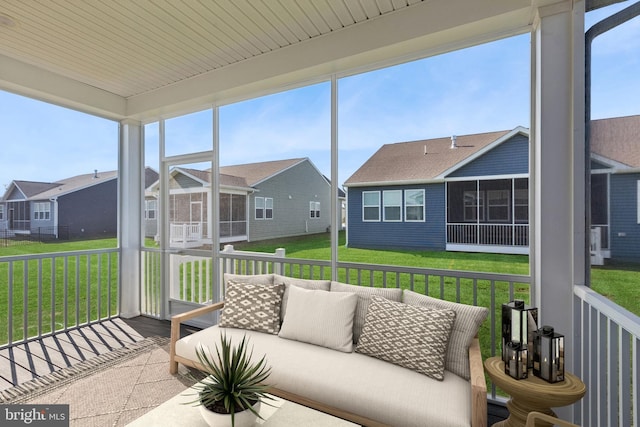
pixel 374 356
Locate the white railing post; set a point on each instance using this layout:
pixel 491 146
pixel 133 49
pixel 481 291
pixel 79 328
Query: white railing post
pixel 277 265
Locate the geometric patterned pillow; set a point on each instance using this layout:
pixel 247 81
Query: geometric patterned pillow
pixel 469 318
pixel 408 336
pixel 252 306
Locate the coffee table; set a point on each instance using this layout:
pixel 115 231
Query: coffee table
pixel 178 411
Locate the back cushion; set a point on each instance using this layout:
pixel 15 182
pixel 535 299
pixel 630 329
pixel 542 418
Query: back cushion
pixel 322 285
pixel 364 294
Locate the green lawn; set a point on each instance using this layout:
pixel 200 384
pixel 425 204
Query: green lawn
pixel 83 288
pixel 618 282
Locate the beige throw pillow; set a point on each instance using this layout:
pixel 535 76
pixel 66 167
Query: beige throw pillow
pixel 409 336
pixel 320 317
pixel 324 285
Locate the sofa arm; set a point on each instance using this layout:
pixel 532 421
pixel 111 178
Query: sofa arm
pixel 478 386
pixel 175 329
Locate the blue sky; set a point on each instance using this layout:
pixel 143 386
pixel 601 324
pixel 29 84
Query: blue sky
pixel 480 89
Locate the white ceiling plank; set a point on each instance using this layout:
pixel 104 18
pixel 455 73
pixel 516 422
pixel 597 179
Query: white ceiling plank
pixel 170 55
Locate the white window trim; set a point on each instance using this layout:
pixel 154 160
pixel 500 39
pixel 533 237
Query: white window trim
pixel 406 205
pixel 638 202
pixel 371 206
pixel 384 206
pixel 1 212
pixel 268 206
pixel 314 210
pixel 489 206
pixel 41 211
pixel 257 208
pixel 479 206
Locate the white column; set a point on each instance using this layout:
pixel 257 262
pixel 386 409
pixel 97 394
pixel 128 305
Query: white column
pixel 557 164
pixel 130 199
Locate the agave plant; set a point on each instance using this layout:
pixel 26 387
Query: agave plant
pixel 234 383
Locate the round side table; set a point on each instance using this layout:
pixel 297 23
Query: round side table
pixel 532 393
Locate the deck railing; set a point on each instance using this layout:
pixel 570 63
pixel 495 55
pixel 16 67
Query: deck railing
pixel 606 355
pixel 488 234
pixel 46 293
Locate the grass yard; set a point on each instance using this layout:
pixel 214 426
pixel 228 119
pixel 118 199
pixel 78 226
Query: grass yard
pixel 74 290
pixel 619 282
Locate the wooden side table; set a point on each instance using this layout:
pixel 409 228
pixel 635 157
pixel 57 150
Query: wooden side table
pixel 532 393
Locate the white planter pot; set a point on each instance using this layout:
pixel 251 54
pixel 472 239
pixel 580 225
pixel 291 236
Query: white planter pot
pixel 242 419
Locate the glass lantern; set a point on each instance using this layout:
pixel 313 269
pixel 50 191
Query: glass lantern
pixel 516 364
pixel 548 356
pixel 519 322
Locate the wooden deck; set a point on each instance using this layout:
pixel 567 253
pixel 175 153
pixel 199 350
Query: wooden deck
pixel 24 362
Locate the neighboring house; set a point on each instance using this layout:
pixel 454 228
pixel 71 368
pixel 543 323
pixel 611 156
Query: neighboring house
pixel 470 193
pixel 258 201
pixel 83 206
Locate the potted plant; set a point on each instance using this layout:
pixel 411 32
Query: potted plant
pixel 234 387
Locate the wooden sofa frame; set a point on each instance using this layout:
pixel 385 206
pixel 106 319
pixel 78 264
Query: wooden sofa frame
pixel 478 384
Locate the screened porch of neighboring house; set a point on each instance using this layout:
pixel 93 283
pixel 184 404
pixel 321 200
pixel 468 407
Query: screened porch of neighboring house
pixel 483 213
pixel 124 73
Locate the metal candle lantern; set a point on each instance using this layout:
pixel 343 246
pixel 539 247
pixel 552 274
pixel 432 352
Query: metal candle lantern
pixel 516 364
pixel 548 355
pixel 519 322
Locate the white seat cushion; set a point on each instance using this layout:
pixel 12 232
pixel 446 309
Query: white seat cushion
pixel 352 382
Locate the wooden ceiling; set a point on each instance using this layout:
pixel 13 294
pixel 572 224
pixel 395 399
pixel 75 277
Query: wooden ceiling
pixel 148 58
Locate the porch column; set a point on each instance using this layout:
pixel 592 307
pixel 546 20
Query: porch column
pixel 557 164
pixel 130 232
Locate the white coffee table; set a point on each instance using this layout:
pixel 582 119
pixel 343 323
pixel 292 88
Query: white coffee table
pixel 178 411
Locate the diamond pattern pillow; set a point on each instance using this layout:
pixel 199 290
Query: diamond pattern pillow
pixel 408 336
pixel 469 318
pixel 252 306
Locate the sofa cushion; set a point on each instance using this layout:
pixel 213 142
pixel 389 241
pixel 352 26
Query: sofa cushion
pixel 352 382
pixel 324 285
pixel 261 279
pixel 409 336
pixel 252 306
pixel 468 320
pixel 364 297
pixel 320 317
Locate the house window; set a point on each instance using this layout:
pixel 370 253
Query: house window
pixel 521 205
pixel 473 205
pixel 268 208
pixel 150 209
pixel 638 202
pixel 264 208
pixel 314 209
pixel 1 212
pixel 392 205
pixel 371 206
pixel 414 205
pixel 498 205
pixel 41 211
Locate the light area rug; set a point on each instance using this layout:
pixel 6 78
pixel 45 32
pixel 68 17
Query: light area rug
pixel 110 390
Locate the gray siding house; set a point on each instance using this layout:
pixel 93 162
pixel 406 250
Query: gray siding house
pixel 83 206
pixel 471 193
pixel 258 201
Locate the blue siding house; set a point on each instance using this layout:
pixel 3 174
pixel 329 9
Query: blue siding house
pixel 471 193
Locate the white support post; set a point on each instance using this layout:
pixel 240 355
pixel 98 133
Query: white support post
pixel 557 165
pixel 130 199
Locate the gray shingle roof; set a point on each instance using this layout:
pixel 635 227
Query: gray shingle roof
pixel 254 173
pixel 617 139
pixel 422 160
